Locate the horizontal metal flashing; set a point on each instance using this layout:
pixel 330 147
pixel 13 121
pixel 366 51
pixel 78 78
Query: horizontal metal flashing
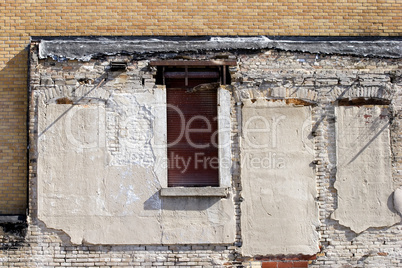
pixel 86 48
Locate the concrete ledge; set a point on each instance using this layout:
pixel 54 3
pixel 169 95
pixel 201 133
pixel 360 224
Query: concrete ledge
pixel 195 191
pixel 84 49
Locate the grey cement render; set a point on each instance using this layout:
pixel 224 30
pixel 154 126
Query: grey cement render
pixel 100 196
pixel 279 211
pixel 364 174
pixel 85 49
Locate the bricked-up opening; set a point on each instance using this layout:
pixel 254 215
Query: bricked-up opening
pixel 192 128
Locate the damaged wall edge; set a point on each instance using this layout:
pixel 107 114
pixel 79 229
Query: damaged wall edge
pixel 13 230
pixel 79 48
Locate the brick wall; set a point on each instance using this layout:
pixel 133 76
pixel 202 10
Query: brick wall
pixel 267 74
pixel 13 108
pixel 178 17
pixel 50 249
pixel 21 19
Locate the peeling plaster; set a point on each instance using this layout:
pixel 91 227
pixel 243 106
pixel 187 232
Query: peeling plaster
pixel 134 129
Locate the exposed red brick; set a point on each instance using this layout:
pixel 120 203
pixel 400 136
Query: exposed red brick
pixel 300 264
pixel 271 264
pixel 285 265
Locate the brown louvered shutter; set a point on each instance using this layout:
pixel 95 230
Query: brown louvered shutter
pixel 192 155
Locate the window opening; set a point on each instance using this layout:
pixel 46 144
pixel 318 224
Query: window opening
pixel 193 119
pixel 192 136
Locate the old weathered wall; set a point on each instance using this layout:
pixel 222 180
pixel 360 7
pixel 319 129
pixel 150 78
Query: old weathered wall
pixel 307 82
pixel 20 19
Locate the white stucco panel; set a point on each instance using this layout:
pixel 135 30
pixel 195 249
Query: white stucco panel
pixel 279 211
pixel 364 179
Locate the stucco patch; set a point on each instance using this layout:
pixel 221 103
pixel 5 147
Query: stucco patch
pixel 279 212
pixel 364 172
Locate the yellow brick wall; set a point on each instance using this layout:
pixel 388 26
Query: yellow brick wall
pixel 13 103
pixel 20 19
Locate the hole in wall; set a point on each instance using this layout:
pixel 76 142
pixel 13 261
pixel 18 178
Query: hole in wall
pixel 363 101
pixel 64 101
